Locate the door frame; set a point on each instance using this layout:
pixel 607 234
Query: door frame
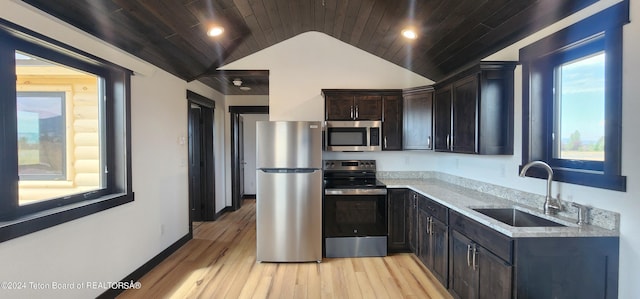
pixel 235 111
pixel 208 128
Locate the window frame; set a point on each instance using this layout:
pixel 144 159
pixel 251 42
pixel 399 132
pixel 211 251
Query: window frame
pixel 16 220
pixel 583 49
pixel 602 31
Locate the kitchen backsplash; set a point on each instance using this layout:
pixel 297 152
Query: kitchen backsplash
pixel 602 218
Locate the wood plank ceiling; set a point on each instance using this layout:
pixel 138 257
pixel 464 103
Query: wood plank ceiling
pixel 171 34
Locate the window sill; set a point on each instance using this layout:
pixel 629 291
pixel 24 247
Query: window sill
pixel 41 220
pixel 46 184
pixel 583 177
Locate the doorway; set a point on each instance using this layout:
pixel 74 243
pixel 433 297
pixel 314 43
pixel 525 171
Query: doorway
pixel 201 159
pixel 237 150
pixel 248 157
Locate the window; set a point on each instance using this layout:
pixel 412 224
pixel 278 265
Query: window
pixel 64 150
pixel 572 99
pixel 59 129
pixel 578 132
pixel 41 136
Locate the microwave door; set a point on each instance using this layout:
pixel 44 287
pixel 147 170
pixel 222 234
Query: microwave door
pixel 352 137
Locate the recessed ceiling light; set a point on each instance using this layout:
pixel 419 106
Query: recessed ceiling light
pixel 409 33
pixel 215 31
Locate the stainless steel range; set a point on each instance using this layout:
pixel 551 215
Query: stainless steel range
pixel 355 209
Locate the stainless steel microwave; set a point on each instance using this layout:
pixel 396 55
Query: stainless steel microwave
pixel 353 136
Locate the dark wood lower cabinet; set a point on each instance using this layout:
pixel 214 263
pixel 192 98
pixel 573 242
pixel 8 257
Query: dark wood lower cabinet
pixel 476 272
pixel 398 204
pixel 433 240
pixel 424 248
pixel 462 280
pixel 494 275
pixel 434 246
pixel 487 264
pixel 412 217
pixel 584 267
pixel 476 262
pixel 440 250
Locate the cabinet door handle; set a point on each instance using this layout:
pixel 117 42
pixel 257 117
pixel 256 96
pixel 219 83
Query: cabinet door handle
pixel 429 142
pixel 357 112
pixel 448 142
pixel 351 111
pixel 468 255
pixel 385 141
pixel 431 225
pixel 475 254
pixel 428 230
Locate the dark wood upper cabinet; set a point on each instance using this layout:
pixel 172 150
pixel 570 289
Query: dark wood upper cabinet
pixel 474 110
pixel 465 115
pixel 442 119
pixel 356 104
pixel 339 107
pixel 367 107
pixel 392 134
pixel 418 117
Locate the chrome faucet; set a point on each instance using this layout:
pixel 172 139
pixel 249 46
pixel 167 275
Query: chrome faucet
pixel 551 205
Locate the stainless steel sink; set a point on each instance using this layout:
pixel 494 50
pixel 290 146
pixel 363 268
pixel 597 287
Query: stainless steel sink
pixel 517 218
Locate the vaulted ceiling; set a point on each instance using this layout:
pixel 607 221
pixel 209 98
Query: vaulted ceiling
pixel 172 34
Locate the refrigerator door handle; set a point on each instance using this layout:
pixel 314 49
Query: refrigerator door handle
pixel 289 170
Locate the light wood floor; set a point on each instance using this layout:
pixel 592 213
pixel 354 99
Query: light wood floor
pixel 220 262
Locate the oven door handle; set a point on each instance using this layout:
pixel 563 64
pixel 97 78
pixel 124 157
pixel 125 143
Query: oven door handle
pixel 375 191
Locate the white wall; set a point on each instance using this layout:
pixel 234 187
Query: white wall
pixel 304 78
pixel 250 150
pixel 109 245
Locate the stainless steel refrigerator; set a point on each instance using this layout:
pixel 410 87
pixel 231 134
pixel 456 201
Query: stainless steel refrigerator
pixel 289 191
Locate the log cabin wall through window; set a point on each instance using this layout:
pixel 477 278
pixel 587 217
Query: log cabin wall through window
pixel 58 130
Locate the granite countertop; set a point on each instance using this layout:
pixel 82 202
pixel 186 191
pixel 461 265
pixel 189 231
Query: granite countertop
pixel 463 201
